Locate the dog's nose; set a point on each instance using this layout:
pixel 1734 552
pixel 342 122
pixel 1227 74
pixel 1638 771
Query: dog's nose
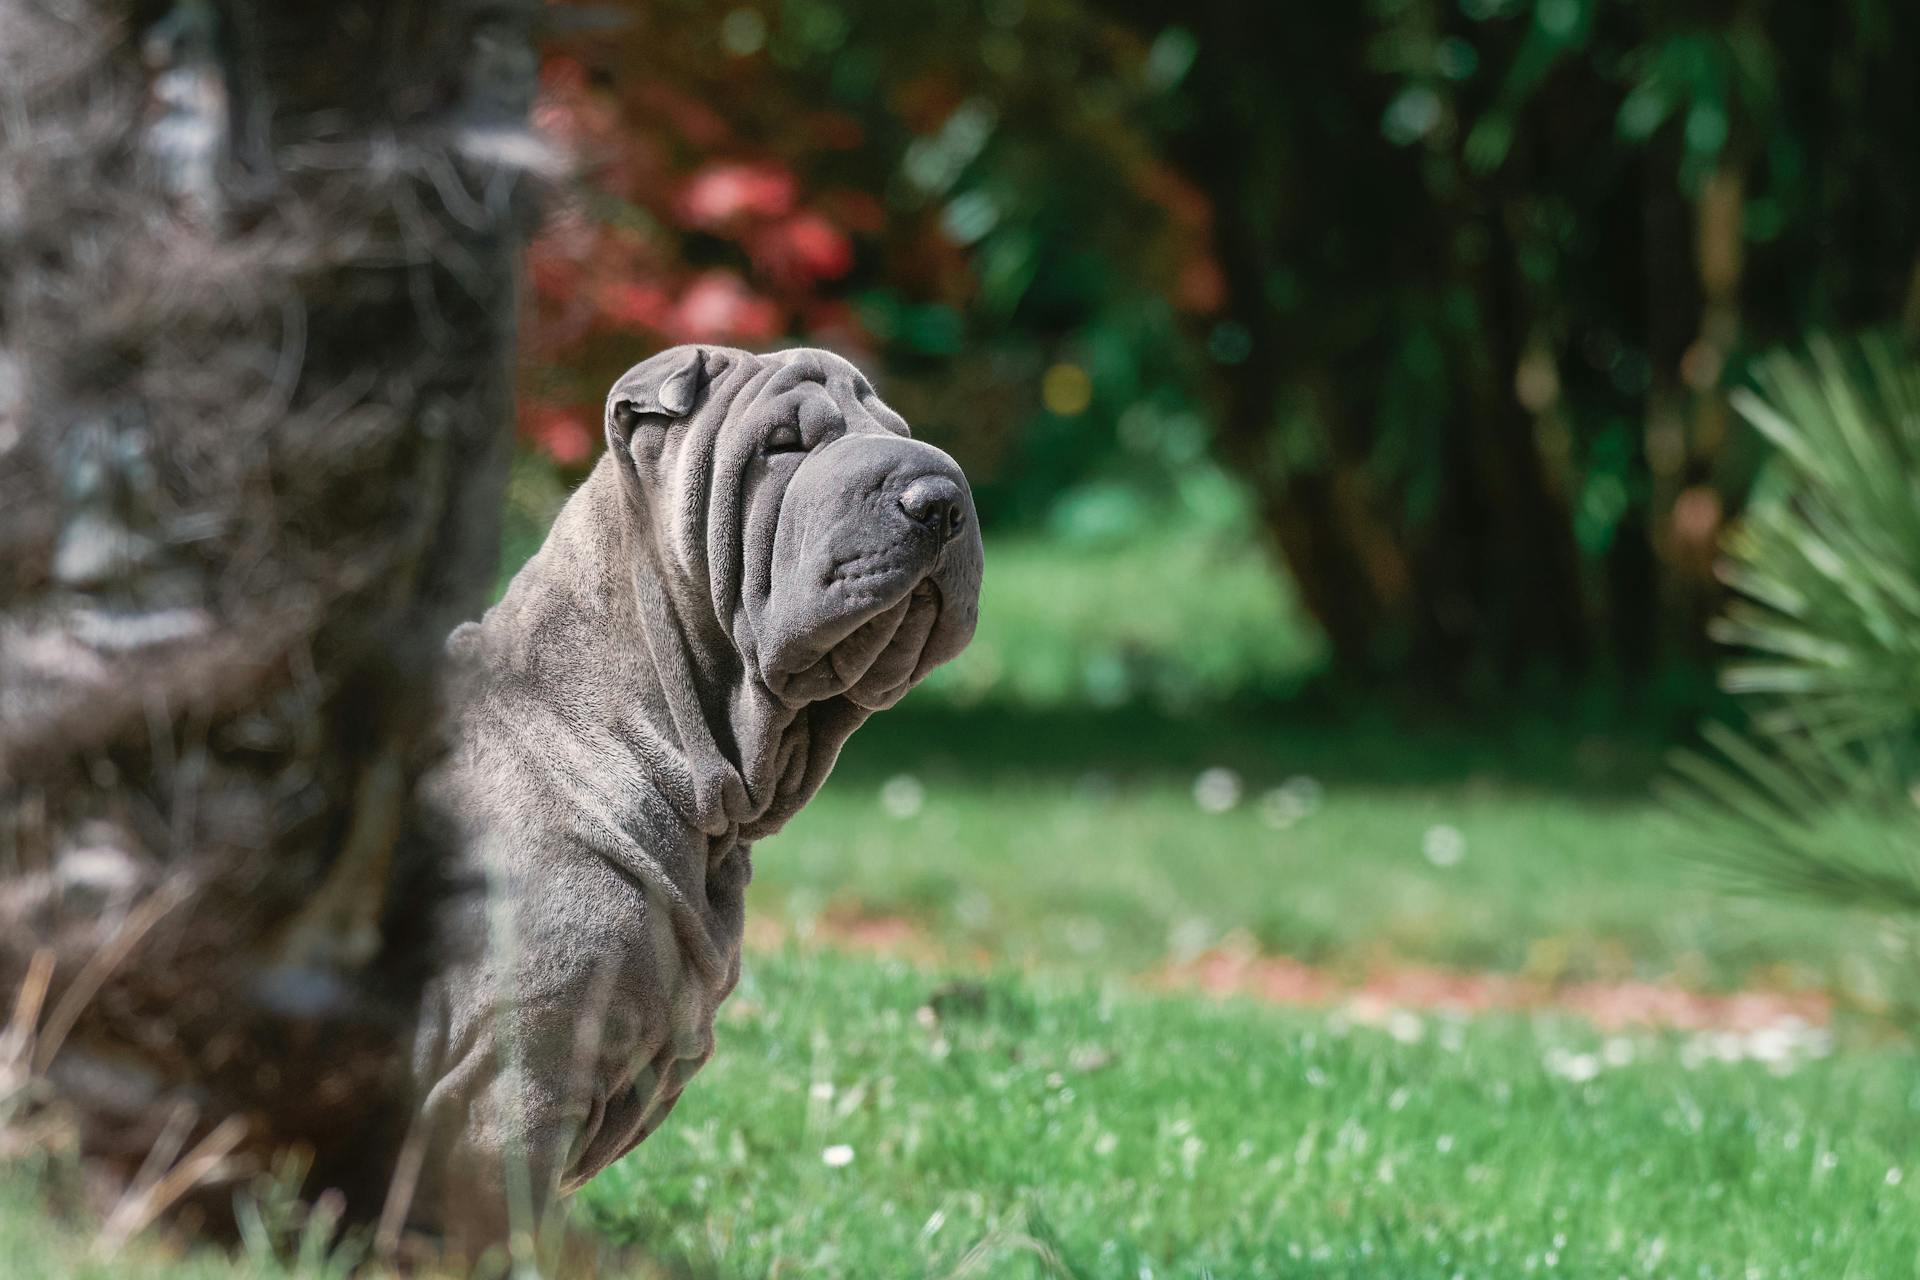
pixel 937 503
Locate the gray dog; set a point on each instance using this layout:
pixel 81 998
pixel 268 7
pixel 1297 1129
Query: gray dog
pixel 761 560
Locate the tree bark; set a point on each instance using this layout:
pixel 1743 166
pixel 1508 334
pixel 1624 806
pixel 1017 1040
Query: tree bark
pixel 257 284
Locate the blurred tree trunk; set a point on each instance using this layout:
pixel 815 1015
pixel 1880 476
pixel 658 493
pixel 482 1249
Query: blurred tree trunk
pixel 257 286
pixel 1476 572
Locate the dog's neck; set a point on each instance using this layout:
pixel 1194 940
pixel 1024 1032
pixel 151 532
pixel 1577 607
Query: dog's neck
pixel 629 647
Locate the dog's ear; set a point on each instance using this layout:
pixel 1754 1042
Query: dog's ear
pixel 666 386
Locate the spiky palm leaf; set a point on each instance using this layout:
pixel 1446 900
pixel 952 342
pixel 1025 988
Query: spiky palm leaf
pixel 1828 564
pixel 1816 795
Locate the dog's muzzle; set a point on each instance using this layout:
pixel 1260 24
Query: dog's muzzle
pixel 876 572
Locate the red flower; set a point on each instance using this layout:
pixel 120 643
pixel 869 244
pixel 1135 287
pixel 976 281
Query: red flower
pixel 719 306
pixel 722 193
pixel 802 249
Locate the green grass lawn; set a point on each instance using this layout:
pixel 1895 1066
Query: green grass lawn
pixel 1041 1130
pixel 1111 780
pixel 1058 1128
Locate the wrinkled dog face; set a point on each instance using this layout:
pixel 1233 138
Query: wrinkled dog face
pixel 841 556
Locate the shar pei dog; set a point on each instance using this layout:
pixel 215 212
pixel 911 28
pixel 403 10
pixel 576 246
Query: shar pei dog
pixel 763 558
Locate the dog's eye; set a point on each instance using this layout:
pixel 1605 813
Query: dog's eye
pixel 785 440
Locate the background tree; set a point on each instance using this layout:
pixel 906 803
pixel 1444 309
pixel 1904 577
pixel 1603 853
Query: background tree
pixel 1490 266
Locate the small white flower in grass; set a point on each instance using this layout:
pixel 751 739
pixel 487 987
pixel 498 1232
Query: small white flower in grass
pixel 1617 1052
pixel 1443 1143
pixel 1306 792
pixel 821 1091
pixel 1771 1045
pixel 1406 1027
pixel 1290 802
pixel 1444 846
pixel 837 1156
pixel 1895 1177
pixel 902 796
pixel 1216 790
pixel 1577 1067
pixel 1104 1144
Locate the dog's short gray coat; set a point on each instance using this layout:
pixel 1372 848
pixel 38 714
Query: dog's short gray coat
pixel 762 558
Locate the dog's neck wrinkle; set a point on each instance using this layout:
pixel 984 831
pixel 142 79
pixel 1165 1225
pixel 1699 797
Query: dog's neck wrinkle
pixel 679 681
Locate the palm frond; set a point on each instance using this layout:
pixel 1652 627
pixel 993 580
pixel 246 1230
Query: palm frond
pixel 1817 795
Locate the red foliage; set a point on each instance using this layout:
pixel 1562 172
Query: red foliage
pixel 659 162
pixel 716 201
